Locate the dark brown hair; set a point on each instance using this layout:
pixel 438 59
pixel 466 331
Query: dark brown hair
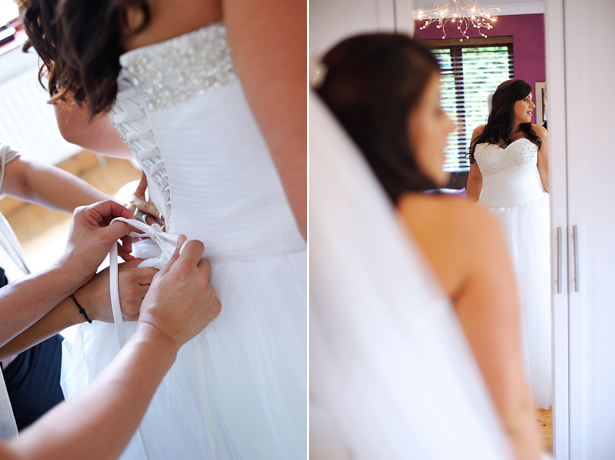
pixel 501 119
pixel 80 43
pixel 39 19
pixel 372 84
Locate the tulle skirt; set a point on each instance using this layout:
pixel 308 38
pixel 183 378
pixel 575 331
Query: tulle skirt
pixel 526 228
pixel 240 388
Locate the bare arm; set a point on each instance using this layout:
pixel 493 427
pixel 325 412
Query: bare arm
pixel 59 318
pixel 48 186
pixel 475 178
pixel 475 184
pixel 488 308
pixel 26 300
pixel 468 252
pixel 94 297
pixel 275 83
pixel 97 134
pixel 543 156
pixel 98 422
pixel 56 189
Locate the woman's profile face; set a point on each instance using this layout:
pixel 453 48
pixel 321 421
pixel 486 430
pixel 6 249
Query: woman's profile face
pixel 428 129
pixel 523 109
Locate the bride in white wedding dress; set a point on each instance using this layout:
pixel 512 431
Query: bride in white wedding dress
pixel 511 175
pixel 414 318
pixel 225 160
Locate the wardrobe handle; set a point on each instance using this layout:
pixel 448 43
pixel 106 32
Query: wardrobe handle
pixel 575 241
pixel 559 260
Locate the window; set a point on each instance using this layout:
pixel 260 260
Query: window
pixel 8 11
pixel 470 71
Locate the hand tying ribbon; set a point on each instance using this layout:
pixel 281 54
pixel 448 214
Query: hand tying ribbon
pixel 167 244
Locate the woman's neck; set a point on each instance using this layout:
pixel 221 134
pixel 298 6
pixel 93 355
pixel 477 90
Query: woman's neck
pixel 516 130
pixel 171 18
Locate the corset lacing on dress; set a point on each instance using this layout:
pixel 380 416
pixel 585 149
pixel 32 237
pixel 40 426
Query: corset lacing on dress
pixel 192 64
pixel 206 50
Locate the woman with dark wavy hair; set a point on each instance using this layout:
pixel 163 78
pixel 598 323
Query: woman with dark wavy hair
pixel 509 176
pixel 210 98
pixel 385 91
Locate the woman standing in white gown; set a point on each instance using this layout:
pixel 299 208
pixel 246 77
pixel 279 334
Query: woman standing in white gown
pixel 510 173
pixel 378 341
pixel 169 79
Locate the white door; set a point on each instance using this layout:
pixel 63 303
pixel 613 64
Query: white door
pixel 333 20
pixel 581 65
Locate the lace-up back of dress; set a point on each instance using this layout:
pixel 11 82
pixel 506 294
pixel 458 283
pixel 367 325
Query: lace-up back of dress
pixel 182 110
pixel 162 75
pixel 492 159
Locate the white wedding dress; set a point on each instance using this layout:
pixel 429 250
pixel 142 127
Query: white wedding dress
pixel 237 391
pixel 513 193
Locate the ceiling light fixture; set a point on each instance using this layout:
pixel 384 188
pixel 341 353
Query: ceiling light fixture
pixel 463 13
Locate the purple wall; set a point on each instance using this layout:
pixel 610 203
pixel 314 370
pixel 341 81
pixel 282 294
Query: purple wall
pixel 528 34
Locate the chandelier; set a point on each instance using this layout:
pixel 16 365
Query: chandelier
pixel 463 13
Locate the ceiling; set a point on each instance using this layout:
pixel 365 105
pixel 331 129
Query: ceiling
pixel 506 6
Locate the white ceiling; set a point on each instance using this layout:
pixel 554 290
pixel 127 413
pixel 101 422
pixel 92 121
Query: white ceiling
pixel 506 6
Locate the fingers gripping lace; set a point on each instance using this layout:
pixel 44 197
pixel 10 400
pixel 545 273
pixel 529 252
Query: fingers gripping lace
pixel 167 244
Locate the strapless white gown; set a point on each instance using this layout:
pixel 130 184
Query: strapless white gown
pixel 513 193
pixel 239 391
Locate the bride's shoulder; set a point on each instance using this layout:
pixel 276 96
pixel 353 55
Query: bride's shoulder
pixel 540 131
pixel 459 240
pixel 478 131
pixel 429 210
pixel 450 226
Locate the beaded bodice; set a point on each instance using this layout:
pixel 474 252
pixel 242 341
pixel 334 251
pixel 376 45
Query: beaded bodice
pixel 510 175
pixel 170 72
pixel 492 159
pixel 181 109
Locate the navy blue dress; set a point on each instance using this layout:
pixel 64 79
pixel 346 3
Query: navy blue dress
pixel 33 378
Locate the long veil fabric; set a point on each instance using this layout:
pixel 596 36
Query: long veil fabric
pixel 391 373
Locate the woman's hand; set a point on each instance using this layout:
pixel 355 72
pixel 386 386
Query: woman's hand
pixel 138 202
pixel 134 283
pixel 182 301
pixel 91 237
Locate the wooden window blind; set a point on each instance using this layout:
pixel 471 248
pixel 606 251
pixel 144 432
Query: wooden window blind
pixel 470 71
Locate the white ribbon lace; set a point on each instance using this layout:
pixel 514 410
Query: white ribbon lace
pixel 167 244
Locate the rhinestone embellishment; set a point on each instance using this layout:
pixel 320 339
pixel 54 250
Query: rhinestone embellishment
pixel 492 159
pixel 172 71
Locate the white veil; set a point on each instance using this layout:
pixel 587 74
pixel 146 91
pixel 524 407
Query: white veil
pixel 391 374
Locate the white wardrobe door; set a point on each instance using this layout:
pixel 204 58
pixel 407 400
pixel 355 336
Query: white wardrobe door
pixel 590 98
pixel 333 20
pixel 556 111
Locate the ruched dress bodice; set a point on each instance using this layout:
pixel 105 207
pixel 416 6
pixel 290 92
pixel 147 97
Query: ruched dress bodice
pixel 510 175
pixel 238 390
pixel 182 111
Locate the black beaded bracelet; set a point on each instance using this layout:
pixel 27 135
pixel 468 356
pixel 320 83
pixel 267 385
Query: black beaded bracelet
pixel 81 310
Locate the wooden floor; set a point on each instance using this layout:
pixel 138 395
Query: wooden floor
pixel 545 425
pixel 43 232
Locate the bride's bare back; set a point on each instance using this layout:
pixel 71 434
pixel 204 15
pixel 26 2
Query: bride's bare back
pixel 170 18
pixel 269 43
